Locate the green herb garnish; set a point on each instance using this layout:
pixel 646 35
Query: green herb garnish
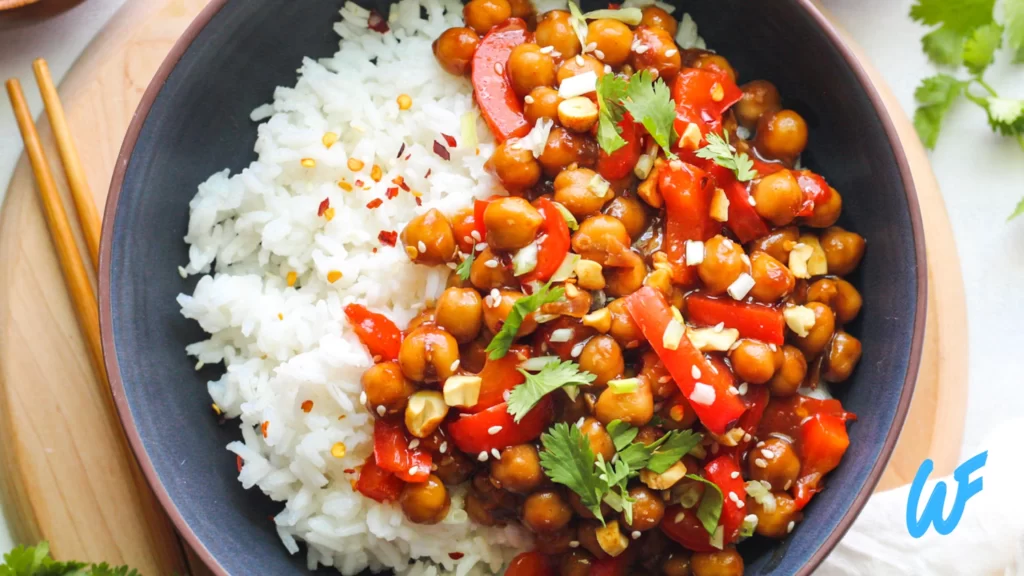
pixel 710 509
pixel 465 266
pixel 722 153
pixel 523 307
pixel 650 103
pixel 552 376
pixel 36 561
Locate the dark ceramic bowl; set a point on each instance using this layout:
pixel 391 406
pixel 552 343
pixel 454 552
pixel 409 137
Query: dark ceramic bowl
pixel 194 120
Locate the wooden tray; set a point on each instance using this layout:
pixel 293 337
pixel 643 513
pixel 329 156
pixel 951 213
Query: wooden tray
pixel 64 472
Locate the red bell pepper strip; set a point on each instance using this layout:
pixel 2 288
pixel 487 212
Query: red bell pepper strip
pixel 376 331
pixel 756 400
pixel 784 415
pixel 744 221
pixel 816 191
pixel 694 93
pixel 498 102
pixel 823 441
pixel 391 452
pixel 530 564
pixel 379 484
pixel 681 524
pixel 721 472
pixel 471 432
pixel 754 321
pixel 620 163
pixel 554 243
pixel 687 191
pixel 479 206
pixel 652 313
pixel 499 376
pixel 616 566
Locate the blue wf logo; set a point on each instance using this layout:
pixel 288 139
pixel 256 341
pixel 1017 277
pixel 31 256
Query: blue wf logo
pixel 932 514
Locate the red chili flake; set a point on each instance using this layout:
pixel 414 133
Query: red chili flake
pixel 307 406
pixel 375 250
pixel 374 203
pixel 449 139
pixel 323 207
pixel 359 183
pixel 388 237
pixel 419 201
pixel 400 150
pixel 349 470
pixel 400 182
pixel 407 156
pixel 392 192
pixel 377 23
pixel 427 175
pixel 238 463
pixel 441 151
pixel 264 426
pixel 455 555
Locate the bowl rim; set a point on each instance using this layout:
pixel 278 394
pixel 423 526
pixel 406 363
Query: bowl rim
pixel 183 43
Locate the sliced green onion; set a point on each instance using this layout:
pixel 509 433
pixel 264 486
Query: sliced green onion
pixel 525 260
pixel 690 495
pixel 761 494
pixel 624 385
pixel 566 269
pixel 578 23
pixel 545 318
pixel 598 185
pixel 748 526
pixel 631 16
pixel 538 363
pixel 718 538
pixel 469 137
pixel 673 335
pixel 643 166
pixel 570 220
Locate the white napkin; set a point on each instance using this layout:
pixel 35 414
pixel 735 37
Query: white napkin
pixel 989 539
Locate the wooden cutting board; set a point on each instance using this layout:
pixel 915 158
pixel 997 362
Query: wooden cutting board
pixel 65 476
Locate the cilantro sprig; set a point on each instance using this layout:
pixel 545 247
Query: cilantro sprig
pixel 523 307
pixel 465 266
pixel 722 153
pixel 968 34
pixel 568 460
pixel 710 509
pixel 648 101
pixel 553 376
pixel 36 561
pixel 657 456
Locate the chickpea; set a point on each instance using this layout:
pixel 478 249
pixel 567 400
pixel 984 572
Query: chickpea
pixel 555 29
pixel 556 543
pixel 386 386
pixel 790 375
pixel 565 147
pixel 634 408
pixel 454 467
pixel 826 214
pixel 473 356
pixel 425 502
pixel 511 222
pixel 712 61
pixel 843 250
pixel 485 277
pixel 482 15
pixel 660 54
pixel 677 564
pixel 587 534
pixel 726 562
pixel 600 440
pixel 760 97
pixel 545 512
pixel 676 413
pixel 572 190
pixel 460 312
pixel 843 355
pixel 778 243
pixel 518 470
pixel 424 318
pixel 602 357
pixel 781 135
pixel 496 313
pixel 655 372
pixel 839 295
pixel 781 464
pixel 430 235
pixel 753 361
pixel 775 524
pixel 576 563
pixel 624 329
pixel 723 263
pixel 516 168
pixel 778 197
pixel 529 68
pixel 454 49
pixel 773 281
pixel 648 509
pixel 819 335
pixel 522 9
pixel 579 65
pixel 624 279
pixel 542 102
pixel 630 211
pixel 602 239
pixel 612 40
pixel 654 17
pixel 427 354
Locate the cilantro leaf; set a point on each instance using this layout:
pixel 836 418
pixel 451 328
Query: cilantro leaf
pixel 719 150
pixel 106 570
pixel 1005 115
pixel 1018 210
pixel 1013 11
pixel 611 89
pixel 553 376
pixel 650 103
pixel 710 509
pixel 568 460
pixel 944 46
pixel 502 341
pixel 959 15
pixel 36 561
pixel 622 434
pixel 465 266
pixel 677 444
pixel 935 96
pixel 616 476
pixel 658 456
pixel 578 22
pixel 980 48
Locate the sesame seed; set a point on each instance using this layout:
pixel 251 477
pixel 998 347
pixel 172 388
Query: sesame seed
pixel 718 327
pixel 747 437
pixel 773 347
pixel 481 246
pixel 751 201
pixel 381 410
pixel 733 497
pixel 767 453
pixel 421 246
pixel 455 365
pixel 468 239
pixel 414 470
pixel 574 544
pixel 671 52
pixel 760 463
pixel 761 443
pixel 495 453
pixel 635 535
pixel 790 526
pixel 590 47
pixel 499 68
pixel 528 99
pixel 599 54
pixel 494 430
pixel 744 387
pixel 734 391
pixel 607 69
pixel 546 49
pixel 740 504
pixel 506 395
pixel 443 448
pixel 695 372
pixel 789 483
pixel 482 457
pixel 362 397
pixel 579 60
pixel 734 474
pixel 679 517
pixel 491 263
pixel 579 423
pixel 476 235
pixel 414 443
pixel 641 49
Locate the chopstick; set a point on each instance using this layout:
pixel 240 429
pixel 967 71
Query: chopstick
pixel 75 274
pixel 85 205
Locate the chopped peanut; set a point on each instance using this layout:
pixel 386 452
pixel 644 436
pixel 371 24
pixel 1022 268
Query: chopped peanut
pixel 719 206
pixel 600 320
pixel 578 114
pixel 800 319
pixel 817 264
pixel 690 140
pixel 648 189
pixel 425 412
pixel 661 280
pixel 666 479
pixel 588 275
pixel 798 258
pixel 711 340
pixel 462 391
pixel 611 539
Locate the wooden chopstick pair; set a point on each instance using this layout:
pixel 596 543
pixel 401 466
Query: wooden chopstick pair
pixel 76 275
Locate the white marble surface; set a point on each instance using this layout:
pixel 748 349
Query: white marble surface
pixel 982 176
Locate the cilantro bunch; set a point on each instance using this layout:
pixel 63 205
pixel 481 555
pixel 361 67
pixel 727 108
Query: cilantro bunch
pixel 36 561
pixel 968 35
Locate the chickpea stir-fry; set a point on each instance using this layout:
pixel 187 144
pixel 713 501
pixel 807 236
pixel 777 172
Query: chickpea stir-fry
pixel 620 360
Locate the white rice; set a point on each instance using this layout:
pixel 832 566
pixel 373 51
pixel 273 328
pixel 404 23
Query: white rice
pixel 284 345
